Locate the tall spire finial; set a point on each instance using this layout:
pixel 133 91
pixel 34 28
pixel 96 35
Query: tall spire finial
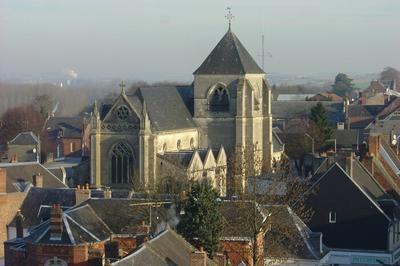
pixel 229 16
pixel 122 85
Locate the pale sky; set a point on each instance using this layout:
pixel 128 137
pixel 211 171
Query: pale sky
pixel 168 39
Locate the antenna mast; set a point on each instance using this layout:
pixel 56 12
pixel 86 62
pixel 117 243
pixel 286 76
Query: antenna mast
pixel 262 52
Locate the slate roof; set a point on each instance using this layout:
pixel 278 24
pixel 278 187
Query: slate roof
pixel 348 137
pixel 19 176
pixel 80 225
pixel 167 248
pixel 36 206
pixel 296 109
pixel 72 126
pixel 363 180
pixel 182 158
pixel 229 57
pixel 25 138
pixel 166 109
pixel 122 216
pixel 365 111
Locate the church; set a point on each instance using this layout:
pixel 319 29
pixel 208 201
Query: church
pixel 167 137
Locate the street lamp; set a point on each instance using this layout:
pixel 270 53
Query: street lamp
pixel 312 142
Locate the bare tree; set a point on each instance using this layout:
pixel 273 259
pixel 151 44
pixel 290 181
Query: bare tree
pixel 263 189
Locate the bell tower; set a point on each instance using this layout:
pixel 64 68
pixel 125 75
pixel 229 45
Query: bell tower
pixel 232 100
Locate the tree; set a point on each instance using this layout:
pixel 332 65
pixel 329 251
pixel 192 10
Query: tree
pixel 390 73
pixel 343 85
pixel 268 187
pixel 201 223
pixel 20 119
pixel 319 127
pixel 44 104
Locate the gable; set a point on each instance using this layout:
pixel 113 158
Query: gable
pixel 355 213
pixel 115 115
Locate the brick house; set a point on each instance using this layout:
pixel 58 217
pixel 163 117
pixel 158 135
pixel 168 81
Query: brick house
pixel 66 137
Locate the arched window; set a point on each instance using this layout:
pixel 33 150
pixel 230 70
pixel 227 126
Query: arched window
pixel 121 164
pixel 219 100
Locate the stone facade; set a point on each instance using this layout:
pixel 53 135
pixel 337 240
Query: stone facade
pixel 230 109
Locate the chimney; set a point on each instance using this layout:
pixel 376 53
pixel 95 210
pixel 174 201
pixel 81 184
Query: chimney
pixel 198 258
pixel 14 159
pixel 374 142
pixel 19 224
pixel 349 164
pixel 82 193
pixel 56 224
pixel 37 180
pixel 107 193
pixel 3 180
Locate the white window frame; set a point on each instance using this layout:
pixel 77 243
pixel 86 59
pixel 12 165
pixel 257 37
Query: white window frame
pixel 332 217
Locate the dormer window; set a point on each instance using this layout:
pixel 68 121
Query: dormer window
pixel 219 100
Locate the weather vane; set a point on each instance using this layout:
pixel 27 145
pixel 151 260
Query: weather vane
pixel 229 16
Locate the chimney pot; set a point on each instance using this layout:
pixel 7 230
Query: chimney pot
pixel 37 180
pixel 19 224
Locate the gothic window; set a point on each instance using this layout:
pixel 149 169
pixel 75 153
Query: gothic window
pixel 122 112
pixel 121 164
pixel 219 100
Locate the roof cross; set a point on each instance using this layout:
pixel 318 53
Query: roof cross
pixel 229 16
pixel 122 85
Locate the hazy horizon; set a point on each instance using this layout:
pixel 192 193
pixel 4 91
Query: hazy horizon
pixel 167 40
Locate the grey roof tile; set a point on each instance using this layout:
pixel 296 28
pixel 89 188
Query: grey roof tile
pixel 72 126
pixel 23 172
pixel 229 57
pixel 25 138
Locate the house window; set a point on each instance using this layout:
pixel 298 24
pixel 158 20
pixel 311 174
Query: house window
pixel 332 217
pixel 219 100
pixel 121 164
pixel 72 147
pixel 58 151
